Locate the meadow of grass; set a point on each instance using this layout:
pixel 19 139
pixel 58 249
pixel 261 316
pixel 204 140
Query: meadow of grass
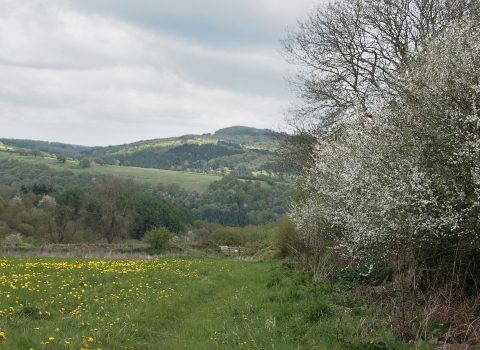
pixel 176 303
pixel 189 181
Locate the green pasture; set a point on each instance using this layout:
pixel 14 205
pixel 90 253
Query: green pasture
pixel 176 303
pixel 187 180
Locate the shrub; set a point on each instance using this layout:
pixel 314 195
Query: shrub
pixel 99 160
pixel 26 229
pixel 13 238
pixel 227 236
pixel 208 246
pixel 158 237
pixel 85 163
pixel 62 158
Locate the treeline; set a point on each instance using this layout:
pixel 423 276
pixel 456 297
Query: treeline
pixel 229 201
pixel 189 155
pixel 17 174
pixel 193 157
pixel 112 210
pixel 71 151
pixel 233 202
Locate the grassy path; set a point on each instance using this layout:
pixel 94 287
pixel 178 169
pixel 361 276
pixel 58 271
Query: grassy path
pixel 52 303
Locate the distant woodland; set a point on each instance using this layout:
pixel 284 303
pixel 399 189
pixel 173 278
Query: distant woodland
pixel 240 149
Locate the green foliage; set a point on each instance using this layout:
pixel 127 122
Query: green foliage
pixel 227 236
pixel 240 149
pixel 3 204
pixel 62 158
pixel 152 211
pixel 26 229
pixel 207 246
pixel 67 175
pixel 158 237
pixel 72 197
pixel 85 163
pixel 18 173
pixel 287 237
pixel 373 275
pixel 99 160
pixel 36 152
pixel 234 202
pixel 72 151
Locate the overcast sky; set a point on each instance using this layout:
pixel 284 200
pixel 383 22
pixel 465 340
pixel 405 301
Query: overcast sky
pixel 107 72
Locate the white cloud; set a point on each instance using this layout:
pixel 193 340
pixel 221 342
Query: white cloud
pixel 95 73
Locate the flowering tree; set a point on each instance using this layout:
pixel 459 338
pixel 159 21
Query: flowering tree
pixel 350 52
pixel 401 176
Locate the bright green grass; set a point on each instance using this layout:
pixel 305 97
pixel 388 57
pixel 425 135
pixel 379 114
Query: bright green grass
pixel 173 304
pixel 187 180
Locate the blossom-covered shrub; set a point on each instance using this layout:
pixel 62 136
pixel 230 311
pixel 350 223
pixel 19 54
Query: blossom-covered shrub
pixel 401 178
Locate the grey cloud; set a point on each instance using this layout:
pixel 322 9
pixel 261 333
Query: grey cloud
pixel 109 72
pixel 217 23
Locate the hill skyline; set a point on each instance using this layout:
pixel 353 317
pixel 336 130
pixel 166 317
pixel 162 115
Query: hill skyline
pixel 242 149
pixel 226 134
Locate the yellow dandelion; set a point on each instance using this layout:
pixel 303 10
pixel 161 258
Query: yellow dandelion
pixel 90 340
pixel 57 330
pixel 51 338
pixel 2 336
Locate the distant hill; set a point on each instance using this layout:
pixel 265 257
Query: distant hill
pixel 247 137
pixel 72 151
pixel 242 149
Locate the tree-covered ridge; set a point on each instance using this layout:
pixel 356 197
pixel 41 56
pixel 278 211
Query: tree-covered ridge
pixel 229 201
pixel 233 202
pixel 111 210
pixel 72 151
pixel 221 158
pixel 247 137
pixel 241 149
pixel 17 174
pixel 184 156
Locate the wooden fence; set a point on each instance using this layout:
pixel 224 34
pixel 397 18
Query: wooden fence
pixel 231 250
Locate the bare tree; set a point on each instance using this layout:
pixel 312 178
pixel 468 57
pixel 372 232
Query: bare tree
pixel 351 53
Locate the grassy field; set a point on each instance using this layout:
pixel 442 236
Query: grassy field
pixel 187 180
pixel 176 303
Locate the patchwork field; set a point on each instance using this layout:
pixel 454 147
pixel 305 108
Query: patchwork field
pixel 52 303
pixel 187 180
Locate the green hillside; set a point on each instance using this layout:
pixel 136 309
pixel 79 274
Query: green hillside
pixel 241 149
pixel 207 174
pixel 188 181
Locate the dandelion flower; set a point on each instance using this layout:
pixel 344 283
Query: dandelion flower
pixel 2 336
pixel 51 338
